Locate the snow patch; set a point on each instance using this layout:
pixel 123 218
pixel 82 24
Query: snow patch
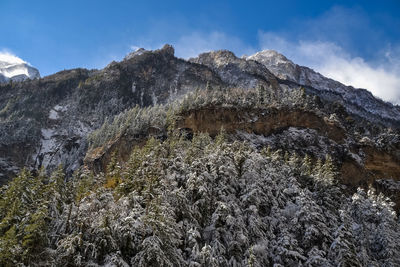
pixel 60 108
pixel 133 87
pixel 54 112
pixel 81 129
pixel 154 98
pixel 48 146
pixel 53 115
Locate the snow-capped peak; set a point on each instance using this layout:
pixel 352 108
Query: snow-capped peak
pixel 271 56
pixel 136 52
pixel 276 62
pixel 16 69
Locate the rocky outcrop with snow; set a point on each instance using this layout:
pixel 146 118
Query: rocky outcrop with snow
pixel 15 69
pixel 358 101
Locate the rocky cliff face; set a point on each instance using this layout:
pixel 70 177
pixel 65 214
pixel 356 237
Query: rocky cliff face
pixel 46 122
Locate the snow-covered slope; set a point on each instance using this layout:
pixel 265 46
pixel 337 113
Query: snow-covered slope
pixel 357 101
pixel 15 69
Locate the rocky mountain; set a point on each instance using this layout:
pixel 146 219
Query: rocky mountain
pixel 216 160
pixel 356 101
pixel 50 118
pixel 14 69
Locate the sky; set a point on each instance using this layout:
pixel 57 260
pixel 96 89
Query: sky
pixel 354 42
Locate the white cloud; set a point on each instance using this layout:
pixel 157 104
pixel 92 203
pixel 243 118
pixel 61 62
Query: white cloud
pixel 381 78
pixel 10 58
pixel 7 61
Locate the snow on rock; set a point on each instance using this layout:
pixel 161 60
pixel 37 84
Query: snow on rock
pixel 133 87
pixel 63 144
pixel 54 112
pixel 356 100
pixel 16 69
pixel 48 146
pixel 81 129
pixel 154 98
pixel 60 108
pixel 7 166
pixel 53 115
pixel 137 52
pixel 277 63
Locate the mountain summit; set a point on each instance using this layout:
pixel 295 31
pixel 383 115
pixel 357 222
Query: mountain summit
pixel 278 64
pixel 15 69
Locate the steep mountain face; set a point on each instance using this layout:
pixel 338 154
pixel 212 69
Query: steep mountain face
pixel 237 72
pixel 16 71
pixel 46 122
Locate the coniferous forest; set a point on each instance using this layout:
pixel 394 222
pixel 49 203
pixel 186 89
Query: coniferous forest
pixel 196 201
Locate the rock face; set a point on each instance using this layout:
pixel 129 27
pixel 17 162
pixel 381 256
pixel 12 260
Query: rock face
pixel 259 122
pixel 46 122
pixel 14 69
pixel 237 72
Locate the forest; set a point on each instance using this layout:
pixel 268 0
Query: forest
pixel 197 201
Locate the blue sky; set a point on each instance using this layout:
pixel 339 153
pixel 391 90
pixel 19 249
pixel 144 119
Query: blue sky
pixel 356 42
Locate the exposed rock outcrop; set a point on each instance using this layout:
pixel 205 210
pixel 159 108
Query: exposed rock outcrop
pixel 261 122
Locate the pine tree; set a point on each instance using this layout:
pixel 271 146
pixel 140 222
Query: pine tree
pixel 328 171
pixel 306 166
pixel 317 172
pixel 343 248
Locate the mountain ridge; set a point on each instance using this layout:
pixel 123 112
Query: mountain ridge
pixel 287 70
pixel 79 101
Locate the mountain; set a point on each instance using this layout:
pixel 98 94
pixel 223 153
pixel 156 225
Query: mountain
pixel 212 161
pixel 47 122
pixel 15 69
pixel 357 101
pixel 49 119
